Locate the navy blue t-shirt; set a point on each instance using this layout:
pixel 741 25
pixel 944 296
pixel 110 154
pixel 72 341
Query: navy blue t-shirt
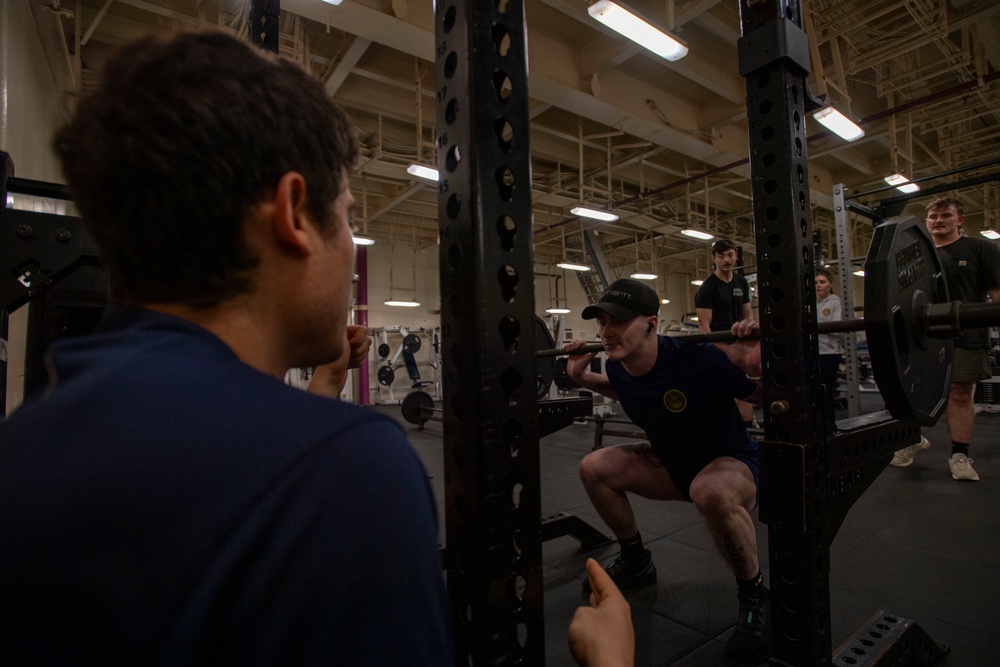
pixel 165 503
pixel 685 405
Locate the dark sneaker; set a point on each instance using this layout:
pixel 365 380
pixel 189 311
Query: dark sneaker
pixel 627 575
pixel 751 640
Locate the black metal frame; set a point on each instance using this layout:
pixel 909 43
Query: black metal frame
pixel 774 58
pixel 263 24
pixel 833 469
pixel 491 431
pixel 49 260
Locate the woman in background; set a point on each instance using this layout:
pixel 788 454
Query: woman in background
pixel 831 347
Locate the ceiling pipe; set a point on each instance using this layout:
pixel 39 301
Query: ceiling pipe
pixel 901 108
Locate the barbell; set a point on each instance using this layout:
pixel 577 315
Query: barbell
pixel 909 320
pixel 937 320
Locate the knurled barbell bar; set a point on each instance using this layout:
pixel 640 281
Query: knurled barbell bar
pixel 909 320
pixel 933 320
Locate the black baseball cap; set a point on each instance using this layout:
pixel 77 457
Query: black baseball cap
pixel 624 300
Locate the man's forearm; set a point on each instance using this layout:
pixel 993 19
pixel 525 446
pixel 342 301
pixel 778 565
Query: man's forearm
pixel 597 382
pixel 704 319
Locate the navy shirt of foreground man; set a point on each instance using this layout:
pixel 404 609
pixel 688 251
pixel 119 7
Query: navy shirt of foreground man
pixel 168 500
pixel 165 503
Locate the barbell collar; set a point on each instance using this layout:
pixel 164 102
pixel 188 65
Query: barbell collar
pixel 939 320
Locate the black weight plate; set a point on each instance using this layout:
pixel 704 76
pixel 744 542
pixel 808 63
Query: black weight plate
pixel 383 350
pixel 545 366
pixel 411 343
pixel 902 273
pixel 386 376
pixel 416 407
pixel 562 378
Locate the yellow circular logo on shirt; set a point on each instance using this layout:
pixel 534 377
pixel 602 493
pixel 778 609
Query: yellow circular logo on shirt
pixel 826 312
pixel 675 400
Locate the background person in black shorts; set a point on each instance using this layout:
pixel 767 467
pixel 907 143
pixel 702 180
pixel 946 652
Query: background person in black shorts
pixel 972 268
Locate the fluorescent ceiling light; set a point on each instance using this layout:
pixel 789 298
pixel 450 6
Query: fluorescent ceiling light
pixel 839 124
pixel 333 2
pixel 991 234
pixel 860 273
pixel 593 214
pixel 424 172
pixel 573 267
pixel 902 183
pixel 697 282
pixel 698 234
pixel 363 240
pixel 643 276
pixel 664 301
pixel 402 304
pixel 557 311
pixel 639 31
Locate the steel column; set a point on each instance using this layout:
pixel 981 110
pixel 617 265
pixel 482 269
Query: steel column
pixel 844 254
pixel 774 58
pixel 490 420
pixel 263 24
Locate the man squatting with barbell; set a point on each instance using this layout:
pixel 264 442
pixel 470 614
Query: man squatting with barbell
pixel 681 394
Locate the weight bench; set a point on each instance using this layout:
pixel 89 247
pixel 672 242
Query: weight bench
pixel 413 371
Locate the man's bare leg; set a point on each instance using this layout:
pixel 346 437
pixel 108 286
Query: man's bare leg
pixel 961 411
pixel 609 473
pixel 724 493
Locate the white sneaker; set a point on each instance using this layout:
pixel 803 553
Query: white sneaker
pixel 961 468
pixel 904 457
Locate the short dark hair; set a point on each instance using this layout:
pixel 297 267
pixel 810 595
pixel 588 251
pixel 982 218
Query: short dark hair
pixel 945 202
pixel 722 245
pixel 181 139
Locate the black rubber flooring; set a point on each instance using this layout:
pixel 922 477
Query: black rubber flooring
pixel 918 545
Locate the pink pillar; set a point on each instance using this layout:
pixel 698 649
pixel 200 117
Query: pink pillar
pixel 362 307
